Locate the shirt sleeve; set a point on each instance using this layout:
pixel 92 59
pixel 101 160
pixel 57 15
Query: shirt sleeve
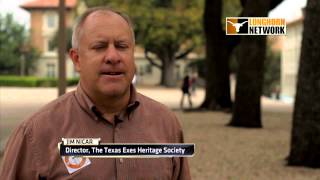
pixel 181 171
pixel 19 161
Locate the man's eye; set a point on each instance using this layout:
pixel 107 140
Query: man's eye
pixel 122 46
pixel 98 47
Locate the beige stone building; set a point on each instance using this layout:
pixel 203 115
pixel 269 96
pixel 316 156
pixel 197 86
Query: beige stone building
pixel 290 57
pixel 43 26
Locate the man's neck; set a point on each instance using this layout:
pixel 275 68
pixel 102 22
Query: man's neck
pixel 113 104
pixel 109 105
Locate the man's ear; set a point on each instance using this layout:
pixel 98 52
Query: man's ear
pixel 73 54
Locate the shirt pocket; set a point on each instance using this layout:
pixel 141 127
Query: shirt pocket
pixel 152 168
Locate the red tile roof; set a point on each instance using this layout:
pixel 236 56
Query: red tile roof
pixel 44 4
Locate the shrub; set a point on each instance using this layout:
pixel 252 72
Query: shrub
pixel 30 81
pixel 18 81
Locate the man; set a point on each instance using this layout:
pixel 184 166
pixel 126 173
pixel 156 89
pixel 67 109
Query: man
pixel 105 105
pixel 186 91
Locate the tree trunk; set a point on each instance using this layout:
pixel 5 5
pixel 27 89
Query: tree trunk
pixel 168 76
pixel 252 53
pixel 305 140
pixel 217 59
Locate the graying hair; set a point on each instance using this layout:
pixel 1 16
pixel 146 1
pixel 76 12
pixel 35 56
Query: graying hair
pixel 78 25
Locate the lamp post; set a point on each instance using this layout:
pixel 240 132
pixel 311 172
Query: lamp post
pixel 22 65
pixel 24 49
pixel 62 49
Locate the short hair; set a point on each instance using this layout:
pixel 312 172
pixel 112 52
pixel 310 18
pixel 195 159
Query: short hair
pixel 81 19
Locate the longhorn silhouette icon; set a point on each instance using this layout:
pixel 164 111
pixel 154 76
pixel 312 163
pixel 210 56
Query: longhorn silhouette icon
pixel 237 25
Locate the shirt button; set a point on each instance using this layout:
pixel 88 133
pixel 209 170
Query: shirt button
pixel 121 160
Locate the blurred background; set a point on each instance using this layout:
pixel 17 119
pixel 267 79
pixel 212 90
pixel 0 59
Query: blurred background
pixel 248 110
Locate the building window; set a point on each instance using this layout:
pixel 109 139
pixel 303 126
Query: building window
pixel 51 20
pixel 51 45
pixel 51 70
pixel 149 68
pixel 141 70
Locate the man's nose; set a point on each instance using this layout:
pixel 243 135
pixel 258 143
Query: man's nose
pixel 112 55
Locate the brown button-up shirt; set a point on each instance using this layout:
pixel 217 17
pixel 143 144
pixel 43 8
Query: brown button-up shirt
pixel 32 152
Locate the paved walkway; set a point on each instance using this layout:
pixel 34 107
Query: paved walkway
pixel 17 104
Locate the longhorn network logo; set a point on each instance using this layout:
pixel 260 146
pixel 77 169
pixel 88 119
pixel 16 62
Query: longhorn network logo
pixel 255 26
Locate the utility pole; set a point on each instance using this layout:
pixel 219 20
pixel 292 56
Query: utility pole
pixel 22 65
pixel 62 49
pixel 23 50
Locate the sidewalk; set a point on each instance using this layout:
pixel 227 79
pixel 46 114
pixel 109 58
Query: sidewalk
pixel 16 104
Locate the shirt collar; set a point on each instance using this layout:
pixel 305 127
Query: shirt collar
pixel 88 106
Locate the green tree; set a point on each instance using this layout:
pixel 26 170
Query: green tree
pixel 218 50
pixel 305 135
pixel 252 54
pixel 68 36
pixel 271 72
pixel 15 48
pixel 167 29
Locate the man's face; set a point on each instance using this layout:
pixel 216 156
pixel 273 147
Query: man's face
pixel 105 55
